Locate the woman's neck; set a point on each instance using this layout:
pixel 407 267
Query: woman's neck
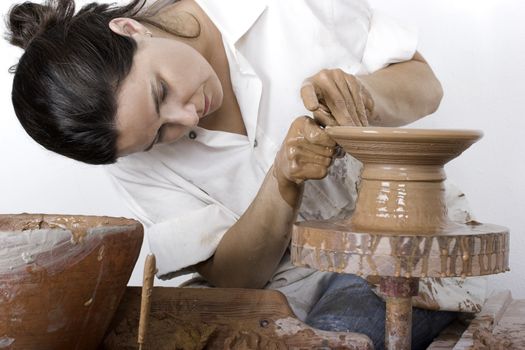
pixel 187 22
pixel 228 117
pixel 188 17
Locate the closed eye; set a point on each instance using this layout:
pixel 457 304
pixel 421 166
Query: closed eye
pixel 159 92
pixel 159 96
pixel 163 91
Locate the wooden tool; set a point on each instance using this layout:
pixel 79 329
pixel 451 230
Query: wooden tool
pixel 147 287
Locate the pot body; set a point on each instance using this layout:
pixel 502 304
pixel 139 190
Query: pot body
pixel 399 198
pixel 401 189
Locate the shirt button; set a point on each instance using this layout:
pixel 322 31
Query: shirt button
pixel 192 135
pixel 255 143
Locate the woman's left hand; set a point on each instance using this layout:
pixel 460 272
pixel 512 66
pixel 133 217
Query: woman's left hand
pixel 337 98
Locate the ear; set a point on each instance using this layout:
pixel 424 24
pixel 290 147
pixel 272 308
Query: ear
pixel 127 27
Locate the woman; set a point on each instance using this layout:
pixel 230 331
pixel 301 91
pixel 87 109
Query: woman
pixel 198 101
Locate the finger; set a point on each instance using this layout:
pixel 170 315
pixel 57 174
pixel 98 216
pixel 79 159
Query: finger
pixel 313 133
pixel 355 88
pixel 293 150
pixel 336 101
pixel 323 117
pixel 369 101
pixel 346 93
pixel 309 95
pixel 312 158
pixel 298 146
pixel 311 171
pixel 325 151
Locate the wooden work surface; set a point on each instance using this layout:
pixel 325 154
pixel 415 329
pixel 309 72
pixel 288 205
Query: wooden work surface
pixel 220 318
pixel 499 326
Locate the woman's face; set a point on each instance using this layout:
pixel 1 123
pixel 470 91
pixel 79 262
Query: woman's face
pixel 169 89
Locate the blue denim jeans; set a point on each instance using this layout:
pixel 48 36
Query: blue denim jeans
pixel 349 304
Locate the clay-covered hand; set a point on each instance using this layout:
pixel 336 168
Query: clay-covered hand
pixel 337 98
pixel 306 153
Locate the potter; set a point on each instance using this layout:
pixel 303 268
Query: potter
pixel 196 108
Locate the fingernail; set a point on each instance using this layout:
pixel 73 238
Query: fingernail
pixel 324 109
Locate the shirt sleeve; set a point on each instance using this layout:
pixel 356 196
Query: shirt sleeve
pixel 182 229
pixel 388 42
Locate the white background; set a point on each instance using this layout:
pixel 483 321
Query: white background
pixel 476 48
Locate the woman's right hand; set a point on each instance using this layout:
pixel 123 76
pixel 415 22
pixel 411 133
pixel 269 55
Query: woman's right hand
pixel 306 153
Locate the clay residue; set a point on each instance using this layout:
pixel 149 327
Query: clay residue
pixel 425 301
pixel 468 305
pixel 333 245
pixel 164 332
pixel 293 329
pixel 77 224
pixel 484 339
pixel 6 341
pixel 250 340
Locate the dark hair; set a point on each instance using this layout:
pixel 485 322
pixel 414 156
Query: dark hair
pixel 64 87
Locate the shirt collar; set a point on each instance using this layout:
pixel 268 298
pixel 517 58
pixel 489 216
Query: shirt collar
pixel 233 18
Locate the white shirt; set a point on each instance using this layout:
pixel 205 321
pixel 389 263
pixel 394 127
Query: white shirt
pixel 190 192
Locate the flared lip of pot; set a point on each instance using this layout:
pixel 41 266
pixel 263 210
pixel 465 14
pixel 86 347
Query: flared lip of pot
pixel 390 134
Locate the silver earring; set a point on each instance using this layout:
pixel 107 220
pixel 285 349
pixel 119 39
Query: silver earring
pixel 148 33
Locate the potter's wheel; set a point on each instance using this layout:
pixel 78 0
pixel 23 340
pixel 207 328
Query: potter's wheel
pixel 458 251
pixel 400 230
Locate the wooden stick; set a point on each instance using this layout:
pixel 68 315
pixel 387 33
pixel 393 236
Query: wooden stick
pixel 147 287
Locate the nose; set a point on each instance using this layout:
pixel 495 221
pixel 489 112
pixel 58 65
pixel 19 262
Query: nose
pixel 184 115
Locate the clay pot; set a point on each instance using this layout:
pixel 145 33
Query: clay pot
pixel 401 187
pixel 62 278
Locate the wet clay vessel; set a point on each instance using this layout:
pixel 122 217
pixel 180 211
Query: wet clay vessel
pixel 400 226
pixel 62 278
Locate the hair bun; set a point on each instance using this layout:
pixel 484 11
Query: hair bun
pixel 27 20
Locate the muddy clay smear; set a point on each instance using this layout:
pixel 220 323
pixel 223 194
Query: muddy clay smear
pixel 484 339
pixel 77 224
